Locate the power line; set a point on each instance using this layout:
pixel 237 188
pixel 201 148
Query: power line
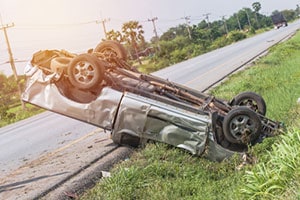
pixel 187 22
pixel 103 25
pixel 225 24
pixel 248 17
pixel 11 59
pixel 207 19
pixel 155 31
pixel 238 20
pixel 47 26
pixel 154 26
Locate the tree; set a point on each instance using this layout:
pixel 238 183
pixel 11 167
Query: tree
pixel 297 10
pixel 233 22
pixel 114 35
pixel 8 95
pixel 173 32
pixel 256 7
pixel 133 35
pixel 168 35
pixel 289 14
pixel 201 37
pixel 203 24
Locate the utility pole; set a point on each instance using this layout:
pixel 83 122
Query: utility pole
pixel 154 26
pixel 256 18
pixel 207 18
pixel 103 21
pixel 11 60
pixel 155 31
pixel 187 22
pixel 225 25
pixel 238 20
pixel 248 18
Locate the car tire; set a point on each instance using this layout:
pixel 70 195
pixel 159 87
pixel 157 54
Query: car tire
pixel 59 65
pixel 111 49
pixel 241 126
pixel 252 100
pixel 86 71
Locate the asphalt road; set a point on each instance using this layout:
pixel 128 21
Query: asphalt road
pixel 40 140
pixel 203 71
pixel 28 139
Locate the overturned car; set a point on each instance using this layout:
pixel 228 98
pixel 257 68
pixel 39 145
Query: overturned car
pixel 102 89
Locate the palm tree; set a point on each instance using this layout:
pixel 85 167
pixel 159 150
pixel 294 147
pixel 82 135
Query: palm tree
pixel 256 7
pixel 114 35
pixel 133 35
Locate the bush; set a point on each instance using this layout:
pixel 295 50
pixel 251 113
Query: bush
pixel 235 36
pixel 220 42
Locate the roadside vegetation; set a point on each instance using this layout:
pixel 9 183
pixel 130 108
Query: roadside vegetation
pixel 186 41
pixel 160 171
pixel 10 105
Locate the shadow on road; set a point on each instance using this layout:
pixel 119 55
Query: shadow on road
pixel 21 184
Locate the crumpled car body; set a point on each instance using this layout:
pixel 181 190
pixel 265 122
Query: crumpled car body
pixel 137 107
pixel 127 113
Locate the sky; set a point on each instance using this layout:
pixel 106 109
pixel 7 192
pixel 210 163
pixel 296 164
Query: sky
pixel 72 24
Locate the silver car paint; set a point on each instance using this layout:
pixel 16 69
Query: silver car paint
pixel 127 113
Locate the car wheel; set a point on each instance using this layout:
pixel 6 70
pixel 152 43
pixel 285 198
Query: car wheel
pixel 85 71
pixel 241 126
pixel 59 65
pixel 252 100
pixel 111 49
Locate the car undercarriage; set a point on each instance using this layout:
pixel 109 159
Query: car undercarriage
pixel 137 107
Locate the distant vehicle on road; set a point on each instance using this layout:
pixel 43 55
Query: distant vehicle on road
pixel 102 89
pixel 279 20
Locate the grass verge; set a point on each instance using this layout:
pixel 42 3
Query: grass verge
pixel 163 172
pixel 16 114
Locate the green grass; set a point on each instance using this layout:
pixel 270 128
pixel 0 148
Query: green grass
pixel 17 113
pixel 160 171
pixel 164 172
pixel 275 77
pixel 278 178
